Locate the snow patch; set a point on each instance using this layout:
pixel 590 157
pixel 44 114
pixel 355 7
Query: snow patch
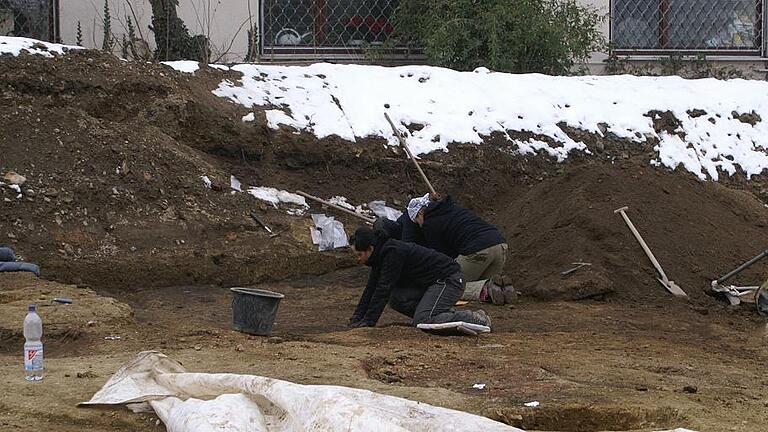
pixel 15 46
pixel 344 202
pixel 275 196
pixel 341 202
pixel 451 106
pixel 249 117
pixel 185 66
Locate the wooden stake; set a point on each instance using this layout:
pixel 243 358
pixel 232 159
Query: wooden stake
pixel 339 208
pixel 410 155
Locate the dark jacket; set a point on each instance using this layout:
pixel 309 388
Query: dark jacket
pixel 397 266
pixel 402 229
pixel 411 231
pixel 394 229
pixel 455 231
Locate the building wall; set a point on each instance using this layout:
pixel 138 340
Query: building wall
pixel 596 63
pixel 225 22
pixel 748 66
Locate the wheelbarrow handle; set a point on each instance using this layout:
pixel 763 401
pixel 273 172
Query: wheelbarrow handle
pixel 743 267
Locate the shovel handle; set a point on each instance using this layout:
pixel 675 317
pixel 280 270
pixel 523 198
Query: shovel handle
pixel 642 243
pixel 410 155
pixel 339 208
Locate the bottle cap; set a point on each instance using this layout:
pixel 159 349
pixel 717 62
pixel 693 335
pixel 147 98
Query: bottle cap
pixel 33 308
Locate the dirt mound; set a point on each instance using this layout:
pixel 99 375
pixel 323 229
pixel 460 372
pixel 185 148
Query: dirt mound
pixel 63 322
pixel 698 230
pixel 113 152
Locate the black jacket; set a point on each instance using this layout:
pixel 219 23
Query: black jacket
pixel 394 229
pixel 455 231
pixel 397 265
pixel 411 231
pixel 402 229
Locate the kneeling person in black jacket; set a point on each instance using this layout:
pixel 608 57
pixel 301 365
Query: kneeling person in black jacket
pixel 418 282
pixel 476 245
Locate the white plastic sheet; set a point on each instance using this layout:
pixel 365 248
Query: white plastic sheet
pixel 380 209
pixel 328 233
pixel 198 402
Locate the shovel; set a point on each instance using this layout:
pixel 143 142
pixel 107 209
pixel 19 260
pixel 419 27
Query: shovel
pixel 668 284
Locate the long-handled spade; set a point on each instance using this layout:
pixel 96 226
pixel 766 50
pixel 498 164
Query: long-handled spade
pixel 404 145
pixel 668 284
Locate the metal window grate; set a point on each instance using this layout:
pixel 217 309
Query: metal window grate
pixel 682 25
pixel 36 19
pixel 340 26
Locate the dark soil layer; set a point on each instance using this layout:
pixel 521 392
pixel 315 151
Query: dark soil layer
pixel 113 153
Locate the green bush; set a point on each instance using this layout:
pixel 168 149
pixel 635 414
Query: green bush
pixel 547 36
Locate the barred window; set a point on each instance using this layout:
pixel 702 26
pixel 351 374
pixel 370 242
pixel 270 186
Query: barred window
pixel 27 18
pixel 326 23
pixel 720 25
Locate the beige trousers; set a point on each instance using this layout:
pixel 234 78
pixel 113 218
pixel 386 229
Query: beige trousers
pixel 481 266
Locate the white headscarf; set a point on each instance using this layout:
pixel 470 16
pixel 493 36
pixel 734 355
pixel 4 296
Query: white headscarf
pixel 416 205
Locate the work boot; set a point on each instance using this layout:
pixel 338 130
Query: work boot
pixel 496 293
pixel 500 280
pixel 505 293
pixel 510 294
pixel 481 317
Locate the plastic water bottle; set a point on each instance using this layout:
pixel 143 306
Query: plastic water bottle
pixel 33 347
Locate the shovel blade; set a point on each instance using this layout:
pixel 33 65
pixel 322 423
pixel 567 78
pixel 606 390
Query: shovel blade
pixel 673 288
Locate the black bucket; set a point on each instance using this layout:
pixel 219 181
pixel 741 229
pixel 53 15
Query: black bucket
pixel 254 310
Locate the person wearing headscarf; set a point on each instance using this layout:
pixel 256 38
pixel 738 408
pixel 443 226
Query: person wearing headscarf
pixel 476 245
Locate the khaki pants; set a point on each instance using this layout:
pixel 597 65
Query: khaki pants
pixel 481 266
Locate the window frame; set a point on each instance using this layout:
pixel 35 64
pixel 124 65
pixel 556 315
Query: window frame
pixel 761 51
pixel 272 52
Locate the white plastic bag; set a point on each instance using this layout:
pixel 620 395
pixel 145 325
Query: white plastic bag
pixel 380 209
pixel 328 233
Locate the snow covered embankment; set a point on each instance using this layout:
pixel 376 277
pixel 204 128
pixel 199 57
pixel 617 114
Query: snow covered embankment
pixel 721 125
pixel 449 106
pixel 16 45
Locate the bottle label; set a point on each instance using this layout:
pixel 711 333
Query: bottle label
pixel 33 358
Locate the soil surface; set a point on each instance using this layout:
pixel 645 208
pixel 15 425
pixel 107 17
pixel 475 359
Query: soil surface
pixel 592 365
pixel 115 212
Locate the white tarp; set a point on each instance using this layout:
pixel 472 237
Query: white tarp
pixel 200 402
